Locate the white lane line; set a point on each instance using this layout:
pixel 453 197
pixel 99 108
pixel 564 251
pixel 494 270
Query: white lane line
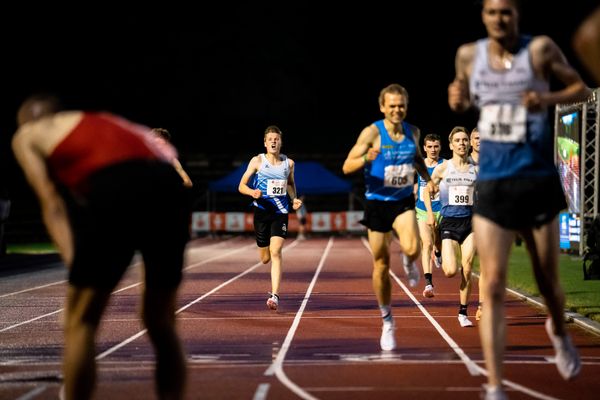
pixel 472 367
pixel 32 393
pixel 261 391
pixel 252 268
pixel 33 288
pixel 277 366
pixel 194 249
pixel 125 288
pixel 31 320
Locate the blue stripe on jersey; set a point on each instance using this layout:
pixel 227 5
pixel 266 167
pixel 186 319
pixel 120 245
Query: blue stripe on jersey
pixel 435 204
pixel 392 153
pixel 266 171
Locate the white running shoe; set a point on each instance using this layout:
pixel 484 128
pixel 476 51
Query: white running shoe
pixel 428 292
pixel 406 263
pixel 273 301
pixel 388 339
pixel 437 261
pixel 567 358
pixel 494 393
pixel 411 270
pixel 464 321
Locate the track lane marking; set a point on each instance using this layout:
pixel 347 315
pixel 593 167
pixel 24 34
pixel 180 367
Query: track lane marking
pixel 215 289
pixel 472 367
pixel 276 368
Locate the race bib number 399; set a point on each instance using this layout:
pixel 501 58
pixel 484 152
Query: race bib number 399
pixel 505 123
pixel 276 187
pixel 399 176
pixel 460 195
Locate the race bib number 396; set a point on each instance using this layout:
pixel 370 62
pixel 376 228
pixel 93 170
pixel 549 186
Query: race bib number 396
pixel 504 123
pixel 276 187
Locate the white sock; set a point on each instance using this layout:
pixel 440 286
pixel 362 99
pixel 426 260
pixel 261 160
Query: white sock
pixel 386 313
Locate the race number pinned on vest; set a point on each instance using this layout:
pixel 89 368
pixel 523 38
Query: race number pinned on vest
pixel 436 197
pixel 504 123
pixel 460 195
pixel 398 176
pixel 276 187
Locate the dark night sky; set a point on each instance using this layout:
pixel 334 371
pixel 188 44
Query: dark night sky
pixel 217 79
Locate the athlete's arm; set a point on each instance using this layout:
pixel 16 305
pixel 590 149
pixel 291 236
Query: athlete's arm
pixel 243 187
pixel 548 60
pixel 187 182
pixel 435 180
pixel 291 188
pixel 458 91
pixel 52 205
pixel 363 151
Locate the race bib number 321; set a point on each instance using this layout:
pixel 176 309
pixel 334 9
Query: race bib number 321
pixel 276 187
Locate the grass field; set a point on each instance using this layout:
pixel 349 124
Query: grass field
pixel 582 296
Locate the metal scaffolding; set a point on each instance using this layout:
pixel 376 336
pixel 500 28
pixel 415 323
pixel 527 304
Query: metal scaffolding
pixel 590 157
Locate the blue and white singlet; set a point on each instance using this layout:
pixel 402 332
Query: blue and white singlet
pixel 514 142
pixel 457 190
pixel 435 202
pixel 272 182
pixel 390 177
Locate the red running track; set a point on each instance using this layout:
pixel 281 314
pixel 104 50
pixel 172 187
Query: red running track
pixel 322 343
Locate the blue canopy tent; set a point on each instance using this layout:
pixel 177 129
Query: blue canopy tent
pixel 312 178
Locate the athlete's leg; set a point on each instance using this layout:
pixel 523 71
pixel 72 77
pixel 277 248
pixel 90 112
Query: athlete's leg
pixel 426 235
pixel 450 257
pixel 264 254
pixel 543 246
pixel 276 247
pixel 467 250
pixel 85 306
pixel 493 259
pixel 379 243
pixel 158 313
pixel 405 226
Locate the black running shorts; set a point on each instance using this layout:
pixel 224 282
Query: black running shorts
pixel 520 203
pixel 380 215
pixel 138 205
pixel 268 223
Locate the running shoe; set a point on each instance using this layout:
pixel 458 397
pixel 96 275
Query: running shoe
pixel 478 313
pixel 411 271
pixel 428 292
pixel 493 393
pixel 464 321
pixel 406 263
pixel 567 358
pixel 388 340
pixel 273 301
pixel 437 261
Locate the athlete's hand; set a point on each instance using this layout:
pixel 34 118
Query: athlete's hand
pixel 372 154
pixel 431 221
pixel 296 204
pixel 433 189
pixel 256 194
pixel 532 101
pixel 458 95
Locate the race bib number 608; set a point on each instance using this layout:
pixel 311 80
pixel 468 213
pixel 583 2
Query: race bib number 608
pixel 399 176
